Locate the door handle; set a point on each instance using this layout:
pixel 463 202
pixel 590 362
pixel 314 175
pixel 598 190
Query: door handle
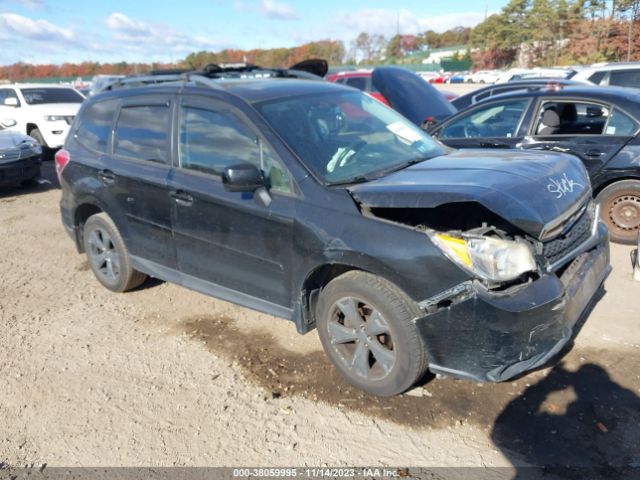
pixel 107 176
pixel 182 198
pixel 594 153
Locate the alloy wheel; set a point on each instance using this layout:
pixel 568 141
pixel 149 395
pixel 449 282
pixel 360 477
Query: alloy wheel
pixel 361 336
pixel 103 255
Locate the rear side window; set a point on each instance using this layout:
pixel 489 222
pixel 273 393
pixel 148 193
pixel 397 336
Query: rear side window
pixel 625 78
pixel 142 132
pixel 95 125
pixel 358 82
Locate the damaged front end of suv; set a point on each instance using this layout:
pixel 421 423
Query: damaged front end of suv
pixel 534 256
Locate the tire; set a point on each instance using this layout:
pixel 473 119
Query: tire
pixel 384 355
pixel 47 153
pixel 620 210
pixel 37 136
pixel 108 256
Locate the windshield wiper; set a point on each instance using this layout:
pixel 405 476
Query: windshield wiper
pixel 381 173
pixel 400 166
pixel 358 179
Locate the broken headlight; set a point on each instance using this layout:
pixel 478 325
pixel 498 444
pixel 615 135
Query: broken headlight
pixel 489 258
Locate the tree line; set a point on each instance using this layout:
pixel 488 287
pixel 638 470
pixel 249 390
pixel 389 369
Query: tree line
pixel 558 32
pixel 332 51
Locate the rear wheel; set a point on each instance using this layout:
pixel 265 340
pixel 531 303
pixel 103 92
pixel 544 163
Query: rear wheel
pixel 108 257
pixel 620 210
pixel 366 327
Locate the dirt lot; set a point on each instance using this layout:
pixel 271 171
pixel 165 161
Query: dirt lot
pixel 163 376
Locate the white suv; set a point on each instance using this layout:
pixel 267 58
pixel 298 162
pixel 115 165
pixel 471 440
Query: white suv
pixel 614 74
pixel 43 111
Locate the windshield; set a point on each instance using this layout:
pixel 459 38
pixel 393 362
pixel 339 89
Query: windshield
pixel 37 96
pixel 347 137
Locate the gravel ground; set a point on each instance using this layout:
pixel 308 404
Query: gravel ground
pixel 163 376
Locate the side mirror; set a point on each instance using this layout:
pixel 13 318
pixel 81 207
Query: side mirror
pixel 7 123
pixel 243 177
pixel 429 124
pixel 11 102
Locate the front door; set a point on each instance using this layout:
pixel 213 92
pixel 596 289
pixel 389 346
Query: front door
pixel 230 243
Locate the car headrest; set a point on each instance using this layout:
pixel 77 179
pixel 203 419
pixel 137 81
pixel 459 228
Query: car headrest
pixel 550 118
pixel 569 113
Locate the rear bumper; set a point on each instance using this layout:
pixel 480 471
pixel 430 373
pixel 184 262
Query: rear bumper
pixel 66 215
pixel 20 170
pixel 484 336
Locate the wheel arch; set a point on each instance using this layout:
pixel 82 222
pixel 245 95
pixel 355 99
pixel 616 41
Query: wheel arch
pixel 80 215
pixel 320 276
pixel 30 126
pixel 611 181
pixel 622 229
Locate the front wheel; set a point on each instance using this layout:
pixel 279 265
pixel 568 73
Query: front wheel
pixel 47 153
pixel 620 210
pixel 366 327
pixel 108 257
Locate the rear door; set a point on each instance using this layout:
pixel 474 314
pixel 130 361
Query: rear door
pixel 594 131
pixel 230 244
pixel 136 175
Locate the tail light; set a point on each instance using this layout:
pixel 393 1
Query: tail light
pixel 61 160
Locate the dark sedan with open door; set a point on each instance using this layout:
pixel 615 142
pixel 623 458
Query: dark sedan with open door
pixel 599 125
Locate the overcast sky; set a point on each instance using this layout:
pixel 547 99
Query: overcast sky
pixel 48 31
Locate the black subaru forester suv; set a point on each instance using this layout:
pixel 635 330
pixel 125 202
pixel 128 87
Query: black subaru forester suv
pixel 314 202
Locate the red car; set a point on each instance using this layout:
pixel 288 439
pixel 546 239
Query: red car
pixel 402 90
pixel 362 80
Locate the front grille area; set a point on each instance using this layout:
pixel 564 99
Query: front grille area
pixel 578 233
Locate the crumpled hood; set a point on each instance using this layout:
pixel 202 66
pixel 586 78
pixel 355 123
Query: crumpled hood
pixel 527 189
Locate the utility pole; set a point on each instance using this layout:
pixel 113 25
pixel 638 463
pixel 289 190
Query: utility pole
pixel 634 13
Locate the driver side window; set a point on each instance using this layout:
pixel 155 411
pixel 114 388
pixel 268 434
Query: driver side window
pixel 210 141
pixel 494 120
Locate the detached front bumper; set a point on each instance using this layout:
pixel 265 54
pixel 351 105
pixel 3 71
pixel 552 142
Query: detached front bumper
pixel 484 336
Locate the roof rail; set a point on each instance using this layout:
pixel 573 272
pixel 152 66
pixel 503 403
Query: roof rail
pixel 313 69
pixel 200 80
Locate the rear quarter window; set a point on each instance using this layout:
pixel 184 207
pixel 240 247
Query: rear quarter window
pixel 95 125
pixel 625 78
